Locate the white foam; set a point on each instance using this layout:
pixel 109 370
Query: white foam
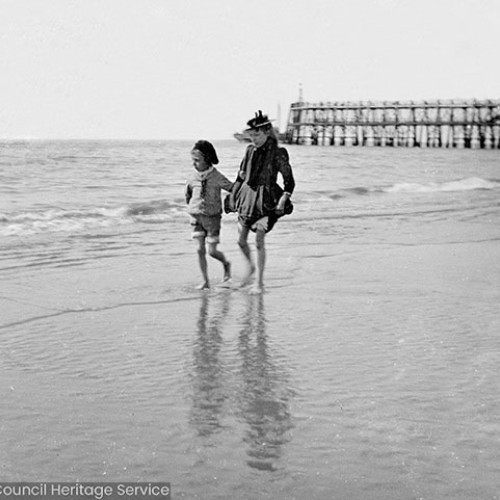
pixel 58 220
pixel 468 184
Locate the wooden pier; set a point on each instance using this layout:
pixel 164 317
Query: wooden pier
pixel 471 124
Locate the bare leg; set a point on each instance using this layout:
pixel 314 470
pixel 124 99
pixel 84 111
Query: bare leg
pixel 217 254
pixel 202 258
pixel 261 260
pixel 245 249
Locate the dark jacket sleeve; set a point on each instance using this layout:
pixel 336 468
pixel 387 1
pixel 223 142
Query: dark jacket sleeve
pixel 188 192
pixel 245 164
pixel 230 201
pixel 286 170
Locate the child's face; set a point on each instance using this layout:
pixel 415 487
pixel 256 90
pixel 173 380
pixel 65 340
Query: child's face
pixel 199 162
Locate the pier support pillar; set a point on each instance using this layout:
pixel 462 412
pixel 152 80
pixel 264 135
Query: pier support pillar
pixel 370 139
pixel 383 140
pixel 474 138
pixel 306 136
pixel 459 136
pixel 411 137
pixel 328 136
pixel 433 137
pixel 488 138
pixel 424 137
pixel 350 135
pixel 496 136
pixel 339 136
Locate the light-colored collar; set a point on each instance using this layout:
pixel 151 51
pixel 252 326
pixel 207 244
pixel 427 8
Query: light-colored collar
pixel 203 175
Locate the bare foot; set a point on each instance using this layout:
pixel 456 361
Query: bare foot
pixel 256 290
pixel 227 271
pixel 203 286
pixel 248 278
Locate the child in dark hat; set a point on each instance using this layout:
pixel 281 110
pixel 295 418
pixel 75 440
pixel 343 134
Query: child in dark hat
pixel 203 196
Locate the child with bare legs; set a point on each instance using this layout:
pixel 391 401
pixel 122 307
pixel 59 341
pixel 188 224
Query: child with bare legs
pixel 203 196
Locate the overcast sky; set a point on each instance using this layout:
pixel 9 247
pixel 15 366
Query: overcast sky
pixel 186 69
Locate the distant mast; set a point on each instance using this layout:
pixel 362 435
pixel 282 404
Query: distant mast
pixel 301 96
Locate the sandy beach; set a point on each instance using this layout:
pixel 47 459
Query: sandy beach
pixel 368 368
pixel 345 374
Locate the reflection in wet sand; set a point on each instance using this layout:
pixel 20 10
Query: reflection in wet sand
pixel 209 394
pixel 257 390
pixel 265 396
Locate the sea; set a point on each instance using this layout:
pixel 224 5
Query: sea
pixel 369 368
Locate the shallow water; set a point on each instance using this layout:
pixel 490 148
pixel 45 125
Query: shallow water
pixel 368 369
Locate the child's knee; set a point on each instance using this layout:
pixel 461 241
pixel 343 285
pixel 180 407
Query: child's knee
pixel 212 250
pixel 242 242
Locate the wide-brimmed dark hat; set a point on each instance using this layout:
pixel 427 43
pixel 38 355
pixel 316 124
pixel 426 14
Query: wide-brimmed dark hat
pixel 207 150
pixel 258 121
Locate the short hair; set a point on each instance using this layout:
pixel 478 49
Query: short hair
pixel 207 150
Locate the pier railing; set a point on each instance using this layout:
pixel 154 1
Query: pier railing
pixel 442 123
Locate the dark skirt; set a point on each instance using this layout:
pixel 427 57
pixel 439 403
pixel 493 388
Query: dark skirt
pixel 253 204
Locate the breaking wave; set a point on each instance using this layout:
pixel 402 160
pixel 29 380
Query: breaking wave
pixel 467 184
pixel 59 220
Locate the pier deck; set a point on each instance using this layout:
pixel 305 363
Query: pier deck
pixel 442 123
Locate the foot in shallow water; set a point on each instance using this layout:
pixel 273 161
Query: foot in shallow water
pixel 256 290
pixel 247 280
pixel 205 285
pixel 227 271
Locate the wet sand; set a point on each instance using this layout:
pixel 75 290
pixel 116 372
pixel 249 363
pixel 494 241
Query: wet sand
pixel 362 372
